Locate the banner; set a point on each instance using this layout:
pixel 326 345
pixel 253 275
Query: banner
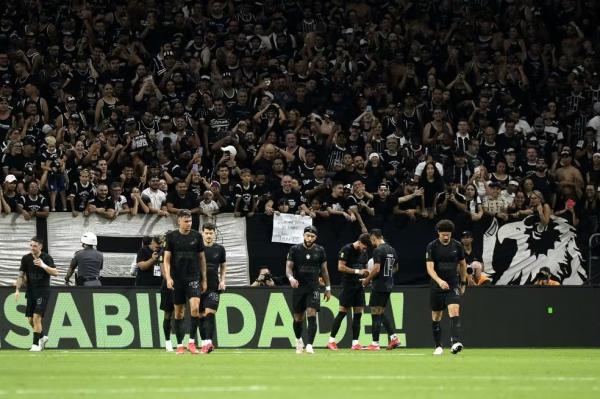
pixel 120 240
pixel 288 228
pixel 15 233
pixel 128 317
pixel 514 252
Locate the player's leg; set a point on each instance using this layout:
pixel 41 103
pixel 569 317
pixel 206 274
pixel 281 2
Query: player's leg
pixel 393 341
pixel 30 308
pixel 166 305
pixel 438 302
pixel 455 327
pixel 376 313
pixel 194 304
pixel 40 301
pixel 298 309
pixel 357 312
pixel 313 305
pixel 211 305
pixel 179 301
pixel 337 323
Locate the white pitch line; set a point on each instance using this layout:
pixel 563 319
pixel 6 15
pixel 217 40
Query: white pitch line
pixel 116 391
pixel 461 377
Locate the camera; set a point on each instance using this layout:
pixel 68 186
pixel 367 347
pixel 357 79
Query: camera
pixel 470 270
pixel 543 274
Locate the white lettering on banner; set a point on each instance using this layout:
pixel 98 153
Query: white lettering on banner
pixel 288 228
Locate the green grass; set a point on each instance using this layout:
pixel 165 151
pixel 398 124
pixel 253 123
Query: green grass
pixel 403 373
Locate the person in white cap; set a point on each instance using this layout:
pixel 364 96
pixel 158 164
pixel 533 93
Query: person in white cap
pixel 88 262
pixel 8 195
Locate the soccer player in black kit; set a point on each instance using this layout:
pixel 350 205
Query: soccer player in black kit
pixel 304 264
pixel 352 263
pixel 385 264
pixel 36 267
pixel 447 268
pixel 215 273
pixel 185 274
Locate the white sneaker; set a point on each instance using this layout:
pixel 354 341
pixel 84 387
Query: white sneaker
pixel 438 351
pixel 456 347
pixel 299 346
pixel 309 349
pixel 35 348
pixel 42 342
pixel 168 346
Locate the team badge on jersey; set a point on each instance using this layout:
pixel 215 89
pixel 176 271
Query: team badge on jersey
pixel 307 256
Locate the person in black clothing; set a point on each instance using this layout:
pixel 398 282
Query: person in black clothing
pixel 185 274
pixel 385 264
pixel 166 295
pixel 215 273
pixel 182 198
pixel 352 261
pixel 304 264
pixel 36 268
pixel 147 262
pixel 444 256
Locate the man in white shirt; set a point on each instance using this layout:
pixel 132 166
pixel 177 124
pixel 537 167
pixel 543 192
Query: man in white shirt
pixel 155 198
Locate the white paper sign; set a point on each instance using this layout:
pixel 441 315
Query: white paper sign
pixel 288 228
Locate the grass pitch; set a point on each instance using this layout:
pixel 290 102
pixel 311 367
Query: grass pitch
pixel 412 373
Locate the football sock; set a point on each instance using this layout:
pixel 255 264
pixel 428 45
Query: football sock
pixel 178 326
pixel 194 322
pixel 455 329
pixel 312 328
pixel 167 329
pixel 356 325
pixel 337 322
pixel 436 329
pixel 210 326
pixel 387 324
pixel 376 327
pixel 203 328
pixel 36 338
pixel 298 329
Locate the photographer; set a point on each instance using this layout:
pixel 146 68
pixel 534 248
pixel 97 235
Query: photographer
pixel 148 263
pixel 544 277
pixel 264 279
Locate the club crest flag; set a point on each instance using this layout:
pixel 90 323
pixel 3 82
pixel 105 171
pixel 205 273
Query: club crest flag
pixel 513 253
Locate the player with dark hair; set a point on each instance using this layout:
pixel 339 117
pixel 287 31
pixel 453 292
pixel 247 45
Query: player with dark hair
pixel 36 268
pixel 444 256
pixel 185 273
pixel 304 264
pixel 385 264
pixel 352 262
pixel 215 273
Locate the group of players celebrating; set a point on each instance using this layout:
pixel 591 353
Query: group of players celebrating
pixel 306 263
pixel 194 272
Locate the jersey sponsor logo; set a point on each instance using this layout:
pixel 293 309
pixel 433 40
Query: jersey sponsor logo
pixel 307 256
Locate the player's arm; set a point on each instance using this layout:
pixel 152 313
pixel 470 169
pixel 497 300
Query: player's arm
pixel 373 273
pixel 462 272
pixel 50 269
pixel 289 272
pixel 202 261
pixel 343 268
pixel 431 271
pixel 167 268
pixel 325 275
pixel 19 284
pixel 222 274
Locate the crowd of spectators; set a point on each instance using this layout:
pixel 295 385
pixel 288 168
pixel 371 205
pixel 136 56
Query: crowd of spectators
pixel 355 110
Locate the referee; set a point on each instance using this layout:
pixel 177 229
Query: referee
pixel 89 261
pixel 36 268
pixel 447 268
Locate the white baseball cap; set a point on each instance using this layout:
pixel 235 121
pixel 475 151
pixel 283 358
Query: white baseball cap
pixel 230 149
pixel 10 179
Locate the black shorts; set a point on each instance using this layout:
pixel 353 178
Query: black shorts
pixel 306 297
pixel 184 290
pixel 352 296
pixel 37 300
pixel 166 299
pixel 209 300
pixel 379 298
pixel 440 299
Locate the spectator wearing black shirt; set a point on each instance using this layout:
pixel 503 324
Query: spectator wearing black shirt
pixel 182 198
pixel 293 198
pixel 33 204
pixel 81 192
pixel 101 204
pixel 245 193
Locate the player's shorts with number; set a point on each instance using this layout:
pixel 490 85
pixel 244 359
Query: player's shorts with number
pixel 306 297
